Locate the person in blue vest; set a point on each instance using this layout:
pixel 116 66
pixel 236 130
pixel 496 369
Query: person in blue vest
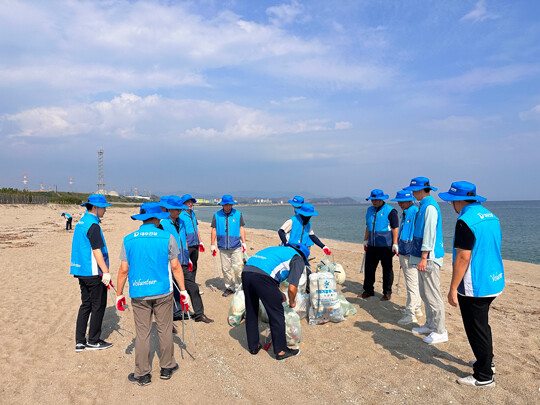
pixel 228 229
pixel 297 229
pixel 478 275
pixel 69 219
pixel 176 227
pixel 90 265
pixel 405 236
pixel 263 273
pixel 427 255
pixel 194 241
pixel 149 260
pixel 380 243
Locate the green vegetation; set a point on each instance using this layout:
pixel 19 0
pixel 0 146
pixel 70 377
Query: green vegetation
pixel 63 197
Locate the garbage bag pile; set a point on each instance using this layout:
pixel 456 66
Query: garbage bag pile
pixel 323 294
pixel 237 308
pixel 293 329
pixel 335 268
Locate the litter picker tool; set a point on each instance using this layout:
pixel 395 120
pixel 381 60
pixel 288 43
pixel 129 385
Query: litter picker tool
pixel 216 267
pixel 398 279
pixel 185 308
pixel 362 268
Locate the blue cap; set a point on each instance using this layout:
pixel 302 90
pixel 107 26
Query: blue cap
pixel 302 249
pixel 297 201
pixel 461 191
pixel 187 197
pixel 419 183
pixel 403 195
pixel 377 195
pixel 307 210
pixel 227 199
pixel 150 210
pixel 173 203
pixel 97 200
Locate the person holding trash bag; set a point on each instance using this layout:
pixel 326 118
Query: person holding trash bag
pixel 427 255
pixel 478 275
pixel 176 228
pixel 228 229
pixel 405 236
pixel 194 242
pixel 297 229
pixel 90 265
pixel 260 280
pixel 147 257
pixel 69 220
pixel 380 243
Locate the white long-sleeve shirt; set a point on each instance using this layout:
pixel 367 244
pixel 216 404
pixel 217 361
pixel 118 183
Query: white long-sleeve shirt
pixel 430 235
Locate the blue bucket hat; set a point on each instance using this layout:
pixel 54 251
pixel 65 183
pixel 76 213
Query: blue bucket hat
pixel 403 195
pixel 461 191
pixel 377 195
pixel 297 201
pixel 150 210
pixel 174 203
pixel 302 249
pixel 419 183
pixel 307 210
pixel 97 200
pixel 164 198
pixel 227 199
pixel 187 197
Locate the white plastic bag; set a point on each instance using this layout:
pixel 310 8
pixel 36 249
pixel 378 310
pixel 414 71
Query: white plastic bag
pixel 324 299
pixel 237 308
pixel 347 307
pixel 293 329
pixel 302 304
pixel 339 273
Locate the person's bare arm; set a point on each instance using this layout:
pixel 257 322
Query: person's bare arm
pixel 213 236
pixel 122 277
pixel 178 273
pixel 292 295
pixel 366 235
pixel 461 264
pixel 395 233
pixel 100 260
pixel 243 234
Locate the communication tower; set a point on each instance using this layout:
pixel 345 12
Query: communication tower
pixel 101 179
pixel 70 183
pixel 25 181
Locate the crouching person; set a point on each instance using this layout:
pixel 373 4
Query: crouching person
pixel 260 279
pixel 148 255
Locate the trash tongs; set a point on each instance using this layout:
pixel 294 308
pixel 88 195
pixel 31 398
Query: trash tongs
pixel 185 309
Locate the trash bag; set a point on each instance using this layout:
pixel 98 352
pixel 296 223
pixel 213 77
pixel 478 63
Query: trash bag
pixel 293 329
pixel 347 307
pixel 237 270
pixel 302 304
pixel 245 257
pixel 339 273
pixel 324 264
pixel 324 299
pixel 237 308
pixel 302 284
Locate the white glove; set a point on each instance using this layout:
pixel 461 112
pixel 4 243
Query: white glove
pixel 244 247
pixel 184 300
pixel 106 278
pixel 365 245
pixel 213 250
pixel 395 249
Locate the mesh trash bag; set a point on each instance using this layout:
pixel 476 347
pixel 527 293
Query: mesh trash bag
pixel 293 329
pixel 237 308
pixel 324 299
pixel 347 307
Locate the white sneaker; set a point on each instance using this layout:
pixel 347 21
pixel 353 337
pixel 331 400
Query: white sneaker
pixel 419 312
pixel 422 330
pixel 470 380
pixel 471 363
pixel 435 337
pixel 407 319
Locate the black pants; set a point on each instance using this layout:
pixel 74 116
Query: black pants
pixel 475 311
pixel 374 255
pixel 68 223
pixel 94 301
pixel 259 286
pixel 193 290
pixel 194 257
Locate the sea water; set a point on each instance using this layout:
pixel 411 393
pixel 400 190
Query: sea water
pixel 520 223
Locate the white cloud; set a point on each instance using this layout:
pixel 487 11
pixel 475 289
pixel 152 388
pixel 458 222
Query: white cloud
pixel 532 114
pixel 343 125
pixel 285 13
pixel 288 100
pixel 455 123
pixel 479 13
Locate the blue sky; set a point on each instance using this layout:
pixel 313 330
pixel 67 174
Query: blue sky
pixel 328 98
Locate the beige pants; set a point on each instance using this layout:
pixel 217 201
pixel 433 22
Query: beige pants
pixel 429 283
pixel 411 282
pixel 228 259
pixel 162 308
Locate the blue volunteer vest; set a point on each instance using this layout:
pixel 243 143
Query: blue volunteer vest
pixel 228 229
pixel 274 261
pixel 378 225
pixel 300 232
pixel 485 274
pixel 418 233
pixel 190 222
pixel 147 251
pixel 83 262
pixel 183 256
pixel 406 229
pixel 67 215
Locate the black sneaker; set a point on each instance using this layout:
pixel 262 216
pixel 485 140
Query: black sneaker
pixel 288 353
pixel 227 292
pixel 79 347
pixel 254 352
pixel 142 381
pixel 166 373
pixel 100 345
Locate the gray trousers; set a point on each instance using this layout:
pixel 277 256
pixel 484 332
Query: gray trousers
pixel 230 258
pixel 411 282
pixel 429 282
pixel 162 308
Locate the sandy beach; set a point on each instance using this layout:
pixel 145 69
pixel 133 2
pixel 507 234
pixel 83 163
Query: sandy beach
pixel 368 358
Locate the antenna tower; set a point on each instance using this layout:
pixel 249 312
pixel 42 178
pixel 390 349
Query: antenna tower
pixel 25 181
pixel 101 179
pixel 70 183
